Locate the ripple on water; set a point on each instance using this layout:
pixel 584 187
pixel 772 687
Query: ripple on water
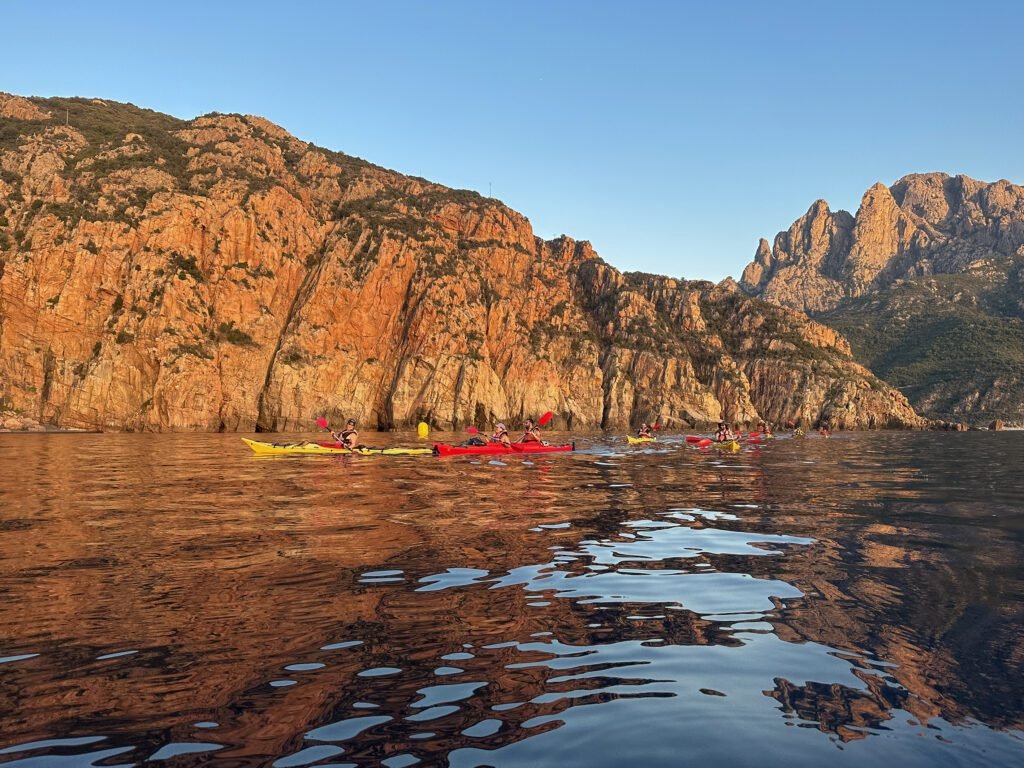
pixel 855 608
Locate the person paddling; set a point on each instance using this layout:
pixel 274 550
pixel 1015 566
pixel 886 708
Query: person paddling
pixel 724 433
pixel 764 428
pixel 644 431
pixel 532 434
pixel 500 435
pixel 348 436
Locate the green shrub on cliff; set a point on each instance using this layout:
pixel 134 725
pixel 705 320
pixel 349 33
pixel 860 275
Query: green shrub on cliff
pixel 227 332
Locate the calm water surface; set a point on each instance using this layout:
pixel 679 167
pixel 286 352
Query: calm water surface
pixel 175 600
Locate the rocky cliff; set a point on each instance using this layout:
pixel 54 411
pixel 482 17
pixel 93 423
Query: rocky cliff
pixel 925 281
pixel 925 224
pixel 220 274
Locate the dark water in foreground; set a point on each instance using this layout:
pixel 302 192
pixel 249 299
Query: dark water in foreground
pixel 174 600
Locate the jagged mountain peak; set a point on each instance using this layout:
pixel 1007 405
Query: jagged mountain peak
pixel 911 279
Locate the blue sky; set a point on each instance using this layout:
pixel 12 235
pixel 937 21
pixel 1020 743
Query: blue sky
pixel 671 135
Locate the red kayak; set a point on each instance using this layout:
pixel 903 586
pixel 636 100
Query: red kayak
pixel 443 449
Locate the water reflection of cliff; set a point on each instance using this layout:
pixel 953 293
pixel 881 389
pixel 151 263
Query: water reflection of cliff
pixel 492 603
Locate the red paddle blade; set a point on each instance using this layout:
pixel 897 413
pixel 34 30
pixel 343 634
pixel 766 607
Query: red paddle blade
pixel 656 426
pixel 472 431
pixel 693 439
pixel 321 422
pixel 703 443
pixel 545 419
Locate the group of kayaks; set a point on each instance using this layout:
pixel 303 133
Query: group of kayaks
pixel 699 441
pixel 445 449
pixel 438 449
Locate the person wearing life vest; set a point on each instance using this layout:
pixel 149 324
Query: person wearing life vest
pixel 764 428
pixel 500 435
pixel 532 434
pixel 644 431
pixel 724 433
pixel 348 436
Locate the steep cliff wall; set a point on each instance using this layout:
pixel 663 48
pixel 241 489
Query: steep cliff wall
pixel 220 274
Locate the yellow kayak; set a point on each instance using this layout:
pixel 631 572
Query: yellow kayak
pixel 322 449
pixel 635 440
pixel 728 445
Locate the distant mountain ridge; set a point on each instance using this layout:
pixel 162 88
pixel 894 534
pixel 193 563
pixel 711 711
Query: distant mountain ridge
pixel 925 281
pixel 220 274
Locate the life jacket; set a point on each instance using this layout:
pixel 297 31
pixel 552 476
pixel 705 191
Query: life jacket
pixel 347 434
pixel 496 437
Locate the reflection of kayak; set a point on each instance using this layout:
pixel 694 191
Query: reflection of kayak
pixel 727 445
pixel 635 440
pixel 443 449
pixel 281 449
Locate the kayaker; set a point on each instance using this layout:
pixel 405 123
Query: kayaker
pixel 764 428
pixel 500 435
pixel 644 431
pixel 532 434
pixel 724 433
pixel 348 436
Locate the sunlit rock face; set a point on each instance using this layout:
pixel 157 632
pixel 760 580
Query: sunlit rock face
pixel 924 224
pixel 220 274
pixel 926 282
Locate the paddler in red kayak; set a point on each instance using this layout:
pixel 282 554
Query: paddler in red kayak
pixel 531 434
pixel 348 436
pixel 501 435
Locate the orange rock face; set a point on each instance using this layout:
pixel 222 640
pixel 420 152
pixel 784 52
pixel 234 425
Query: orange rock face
pixel 220 274
pixel 924 224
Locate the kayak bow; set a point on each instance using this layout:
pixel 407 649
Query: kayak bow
pixel 636 440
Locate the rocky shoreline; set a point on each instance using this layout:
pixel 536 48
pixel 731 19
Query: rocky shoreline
pixel 11 421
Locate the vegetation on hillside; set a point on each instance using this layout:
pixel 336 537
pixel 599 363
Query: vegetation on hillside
pixel 954 344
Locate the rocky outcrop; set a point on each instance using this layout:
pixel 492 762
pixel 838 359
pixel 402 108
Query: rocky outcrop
pixel 925 281
pixel 220 274
pixel 924 224
pixel 19 108
pixel 12 421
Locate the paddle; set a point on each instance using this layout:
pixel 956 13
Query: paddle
pixel 323 424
